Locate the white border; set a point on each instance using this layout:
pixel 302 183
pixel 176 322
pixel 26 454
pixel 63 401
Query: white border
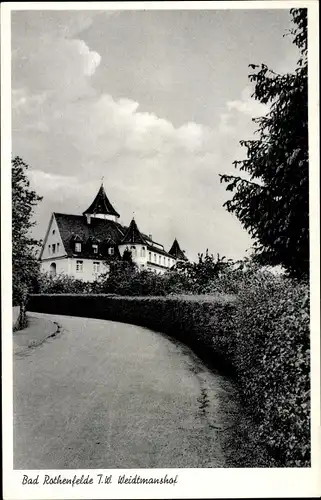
pixel 164 5
pixel 192 483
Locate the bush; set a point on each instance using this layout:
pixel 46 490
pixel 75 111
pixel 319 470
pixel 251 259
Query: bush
pixel 60 283
pixel 261 335
pixel 127 280
pixel 273 360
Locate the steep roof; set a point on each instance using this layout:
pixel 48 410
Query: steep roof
pixel 76 226
pixel 101 204
pixel 176 251
pixel 133 235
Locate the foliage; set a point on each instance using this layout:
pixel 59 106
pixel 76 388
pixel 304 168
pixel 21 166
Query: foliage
pixel 25 266
pixel 209 275
pixel 262 335
pixel 200 274
pixel 119 277
pixel 127 280
pixel 273 359
pixel 128 257
pixel 233 276
pixel 61 283
pixel 272 201
pixel 144 283
pixel 176 282
pixel 124 277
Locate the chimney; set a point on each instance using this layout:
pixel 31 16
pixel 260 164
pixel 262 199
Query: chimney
pixel 150 237
pixel 88 216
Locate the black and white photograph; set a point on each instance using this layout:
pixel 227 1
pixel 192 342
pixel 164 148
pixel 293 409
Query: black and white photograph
pixel 160 167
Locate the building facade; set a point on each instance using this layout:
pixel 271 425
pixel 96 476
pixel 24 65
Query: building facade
pixel 83 246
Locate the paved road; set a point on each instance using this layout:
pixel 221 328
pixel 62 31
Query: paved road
pixel 105 395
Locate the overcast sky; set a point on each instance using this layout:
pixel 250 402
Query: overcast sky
pixel 154 101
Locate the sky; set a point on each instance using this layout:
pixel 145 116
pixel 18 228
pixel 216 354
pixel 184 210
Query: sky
pixel 155 102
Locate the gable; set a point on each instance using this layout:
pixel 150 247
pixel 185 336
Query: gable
pixel 53 245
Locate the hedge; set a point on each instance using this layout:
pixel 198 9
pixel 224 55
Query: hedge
pixel 262 342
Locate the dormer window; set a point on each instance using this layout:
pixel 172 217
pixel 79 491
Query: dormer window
pixel 95 247
pixel 77 247
pixel 111 251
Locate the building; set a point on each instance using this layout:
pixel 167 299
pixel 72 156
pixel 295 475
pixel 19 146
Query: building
pixel 82 246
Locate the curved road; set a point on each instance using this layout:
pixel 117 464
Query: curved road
pixel 105 395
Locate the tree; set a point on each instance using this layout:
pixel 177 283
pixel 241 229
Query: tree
pixel 25 264
pixel 272 203
pixel 127 258
pixel 120 275
pixel 206 270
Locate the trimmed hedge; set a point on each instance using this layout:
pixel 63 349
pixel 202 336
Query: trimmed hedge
pixel 190 319
pixel 261 337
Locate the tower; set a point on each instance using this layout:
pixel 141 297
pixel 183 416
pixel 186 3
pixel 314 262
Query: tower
pixel 176 251
pixel 101 207
pixel 135 242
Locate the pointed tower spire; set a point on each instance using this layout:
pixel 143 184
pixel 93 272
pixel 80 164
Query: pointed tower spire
pixel 176 251
pixel 133 235
pixel 101 205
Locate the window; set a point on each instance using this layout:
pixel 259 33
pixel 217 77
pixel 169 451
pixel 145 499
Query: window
pixel 154 257
pixel 79 266
pixel 53 231
pixel 133 250
pixel 77 247
pixel 159 259
pixel 54 248
pixel 96 267
pixel 95 248
pixel 142 252
pixel 164 261
pixel 169 263
pixel 111 251
pixel 150 256
pixel 49 248
pixel 53 270
pixel 58 247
